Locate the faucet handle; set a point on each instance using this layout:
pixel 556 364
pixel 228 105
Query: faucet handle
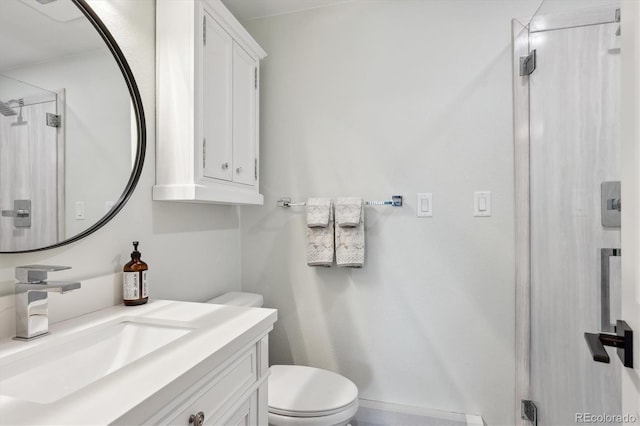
pixel 36 273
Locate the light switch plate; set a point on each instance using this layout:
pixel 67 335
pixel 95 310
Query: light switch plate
pixel 482 203
pixel 79 210
pixel 424 204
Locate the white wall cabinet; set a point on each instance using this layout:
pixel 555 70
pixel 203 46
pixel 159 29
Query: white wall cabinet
pixel 208 69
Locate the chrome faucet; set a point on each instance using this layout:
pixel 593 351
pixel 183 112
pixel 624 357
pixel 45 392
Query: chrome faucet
pixel 32 288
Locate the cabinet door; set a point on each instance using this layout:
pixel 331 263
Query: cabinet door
pixel 245 415
pixel 220 391
pixel 245 70
pixel 217 101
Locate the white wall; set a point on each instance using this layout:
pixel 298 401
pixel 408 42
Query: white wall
pixel 374 98
pixel 192 250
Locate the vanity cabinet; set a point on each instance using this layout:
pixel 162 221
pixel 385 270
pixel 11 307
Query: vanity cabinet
pixel 208 70
pixel 233 394
pixel 161 363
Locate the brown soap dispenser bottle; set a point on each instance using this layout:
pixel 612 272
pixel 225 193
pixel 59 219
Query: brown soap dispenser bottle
pixel 134 280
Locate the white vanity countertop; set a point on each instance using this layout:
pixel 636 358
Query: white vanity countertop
pixel 219 332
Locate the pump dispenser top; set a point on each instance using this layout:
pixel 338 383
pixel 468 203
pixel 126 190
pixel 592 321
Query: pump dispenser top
pixel 135 254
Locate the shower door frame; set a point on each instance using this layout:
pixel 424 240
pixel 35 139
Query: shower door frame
pixel 630 42
pixel 520 43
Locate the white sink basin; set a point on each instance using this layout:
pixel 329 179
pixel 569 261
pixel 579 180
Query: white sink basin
pixel 46 376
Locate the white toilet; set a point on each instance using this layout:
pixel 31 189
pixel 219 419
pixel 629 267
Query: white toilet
pixel 298 395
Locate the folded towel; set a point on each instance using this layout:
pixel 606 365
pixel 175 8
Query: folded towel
pixel 320 243
pixel 350 244
pixel 318 212
pixel 348 212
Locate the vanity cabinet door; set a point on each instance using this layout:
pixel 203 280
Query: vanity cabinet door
pixel 245 415
pixel 215 395
pixel 217 100
pixel 245 89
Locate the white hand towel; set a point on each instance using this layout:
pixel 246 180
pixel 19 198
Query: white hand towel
pixel 318 212
pixel 320 243
pixel 350 244
pixel 348 211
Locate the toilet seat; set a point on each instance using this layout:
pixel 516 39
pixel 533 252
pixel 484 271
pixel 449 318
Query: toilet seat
pixel 310 414
pixel 306 392
pixel 338 419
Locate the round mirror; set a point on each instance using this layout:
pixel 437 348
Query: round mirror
pixel 72 131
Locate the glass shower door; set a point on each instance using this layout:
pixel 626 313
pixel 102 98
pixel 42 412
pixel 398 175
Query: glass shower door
pixel 31 196
pixel 574 98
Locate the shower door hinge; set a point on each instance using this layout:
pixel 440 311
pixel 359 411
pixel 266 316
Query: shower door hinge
pixel 204 30
pixel 53 120
pixel 529 411
pixel 528 63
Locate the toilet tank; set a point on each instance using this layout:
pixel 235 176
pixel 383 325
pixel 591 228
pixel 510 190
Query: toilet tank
pixel 238 298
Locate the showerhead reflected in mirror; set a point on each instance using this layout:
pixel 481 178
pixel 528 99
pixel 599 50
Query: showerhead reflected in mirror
pixel 71 124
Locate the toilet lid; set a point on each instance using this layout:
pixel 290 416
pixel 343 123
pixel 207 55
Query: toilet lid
pixel 300 391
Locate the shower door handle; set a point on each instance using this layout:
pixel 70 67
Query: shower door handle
pixel 622 340
pixel 605 287
pixel 15 213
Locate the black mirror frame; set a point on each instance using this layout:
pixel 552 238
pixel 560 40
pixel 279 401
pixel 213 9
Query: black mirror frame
pixel 140 126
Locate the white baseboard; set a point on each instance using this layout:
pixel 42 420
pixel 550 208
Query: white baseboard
pixel 398 414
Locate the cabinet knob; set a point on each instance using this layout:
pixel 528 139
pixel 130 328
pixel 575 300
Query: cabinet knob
pixel 197 419
pixel 239 170
pixel 225 166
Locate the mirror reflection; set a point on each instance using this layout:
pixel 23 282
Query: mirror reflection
pixel 67 140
